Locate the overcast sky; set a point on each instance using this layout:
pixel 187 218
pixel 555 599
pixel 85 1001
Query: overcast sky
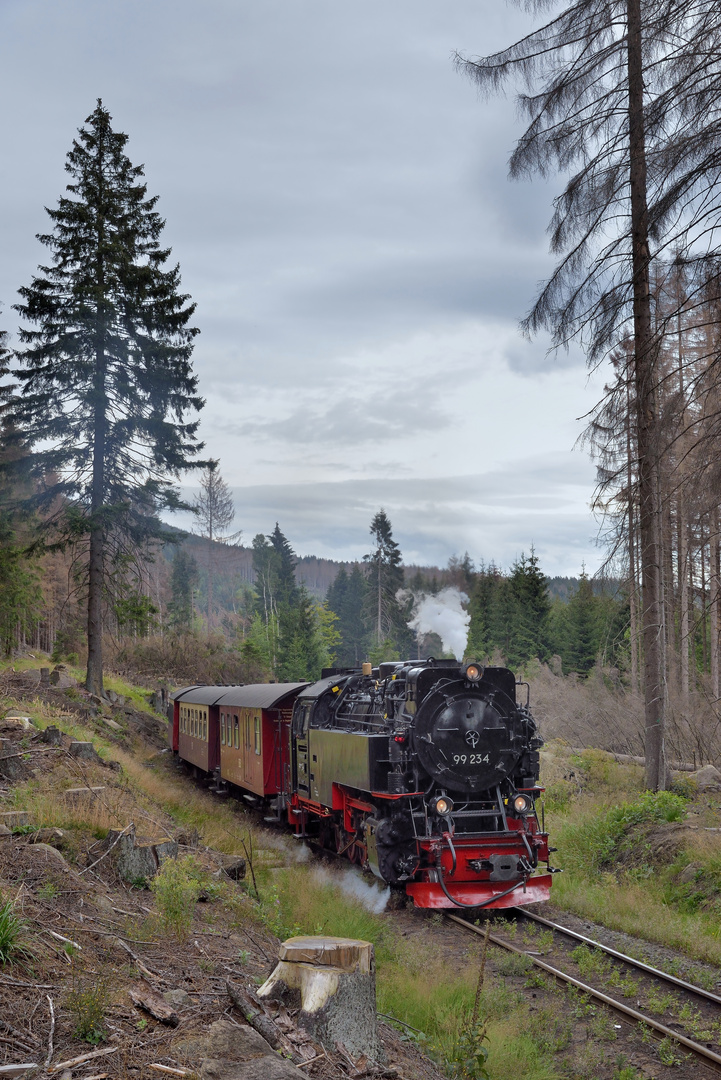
pixel 336 195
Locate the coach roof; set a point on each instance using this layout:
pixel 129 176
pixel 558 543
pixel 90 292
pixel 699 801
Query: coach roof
pixel 259 695
pixel 201 695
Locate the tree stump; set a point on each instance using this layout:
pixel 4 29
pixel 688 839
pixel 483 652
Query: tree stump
pixel 52 735
pixel 84 751
pixel 332 981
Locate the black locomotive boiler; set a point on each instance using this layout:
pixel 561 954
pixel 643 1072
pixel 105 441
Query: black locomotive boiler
pixel 424 772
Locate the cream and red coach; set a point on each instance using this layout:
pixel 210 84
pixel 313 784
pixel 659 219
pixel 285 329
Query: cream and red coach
pixel 254 724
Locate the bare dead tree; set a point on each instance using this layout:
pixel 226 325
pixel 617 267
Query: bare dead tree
pixel 215 511
pixel 623 95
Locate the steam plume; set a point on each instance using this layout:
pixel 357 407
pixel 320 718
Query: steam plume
pixel 441 614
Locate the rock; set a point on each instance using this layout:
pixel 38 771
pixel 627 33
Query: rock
pixel 54 837
pixel 49 858
pixel 688 874
pixel 179 998
pixel 15 819
pixel 134 861
pixel 556 665
pixel 266 1068
pixel 16 723
pixel 52 735
pixel 109 723
pixel 84 751
pixel 60 678
pixel 4 831
pixel 188 837
pixel 333 981
pixel 706 779
pixel 234 868
pixel 240 1053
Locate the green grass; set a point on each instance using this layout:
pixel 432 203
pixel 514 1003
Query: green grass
pixel 13 932
pixel 415 983
pixel 613 875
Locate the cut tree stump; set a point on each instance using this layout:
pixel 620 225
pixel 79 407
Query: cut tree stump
pixel 133 860
pixel 332 981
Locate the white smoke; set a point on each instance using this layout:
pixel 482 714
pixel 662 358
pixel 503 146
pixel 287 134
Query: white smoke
pixel 373 895
pixel 441 613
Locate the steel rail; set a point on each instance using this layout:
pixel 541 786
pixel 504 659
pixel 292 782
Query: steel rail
pixel 638 964
pixel 617 1006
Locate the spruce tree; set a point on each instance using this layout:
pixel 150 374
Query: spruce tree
pixel 105 376
pixel 385 578
pixel 183 580
pixel 346 598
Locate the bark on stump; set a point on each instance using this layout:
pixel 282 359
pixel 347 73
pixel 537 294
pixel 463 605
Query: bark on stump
pixel 133 860
pixel 332 980
pixel 52 735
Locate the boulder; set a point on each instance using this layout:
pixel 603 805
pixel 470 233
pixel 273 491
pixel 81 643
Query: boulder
pixel 59 677
pixel 4 831
pixel 179 998
pixel 706 779
pixel 15 819
pixel 234 868
pixel 49 858
pixel 240 1053
pixel 54 837
pixel 333 982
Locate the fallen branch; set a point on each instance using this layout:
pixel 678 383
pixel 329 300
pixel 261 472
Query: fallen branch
pixel 52 1031
pixel 19 1035
pixel 164 1069
pixel 120 834
pixel 146 998
pixel 19 982
pixel 46 750
pixel 67 940
pixel 255 1016
pixel 139 963
pixel 83 1057
pixel 16 1042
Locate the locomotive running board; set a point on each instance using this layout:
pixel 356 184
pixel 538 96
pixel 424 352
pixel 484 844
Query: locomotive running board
pixel 429 894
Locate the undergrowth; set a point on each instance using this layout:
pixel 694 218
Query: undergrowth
pixel 634 860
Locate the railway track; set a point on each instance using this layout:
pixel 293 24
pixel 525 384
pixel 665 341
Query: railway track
pixel 711 1001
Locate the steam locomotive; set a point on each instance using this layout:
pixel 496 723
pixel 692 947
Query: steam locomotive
pixel 424 772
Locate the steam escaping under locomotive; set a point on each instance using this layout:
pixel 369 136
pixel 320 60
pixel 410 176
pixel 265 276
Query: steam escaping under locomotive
pixel 424 772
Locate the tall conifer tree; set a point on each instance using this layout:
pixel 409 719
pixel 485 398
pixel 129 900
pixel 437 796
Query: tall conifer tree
pixel 105 376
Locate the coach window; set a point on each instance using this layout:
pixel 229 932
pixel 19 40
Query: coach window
pixel 257 735
pixel 236 727
pixel 222 729
pixel 205 726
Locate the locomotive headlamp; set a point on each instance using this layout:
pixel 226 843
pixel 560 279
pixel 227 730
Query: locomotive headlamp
pixel 521 804
pixel 442 805
pixel 473 672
